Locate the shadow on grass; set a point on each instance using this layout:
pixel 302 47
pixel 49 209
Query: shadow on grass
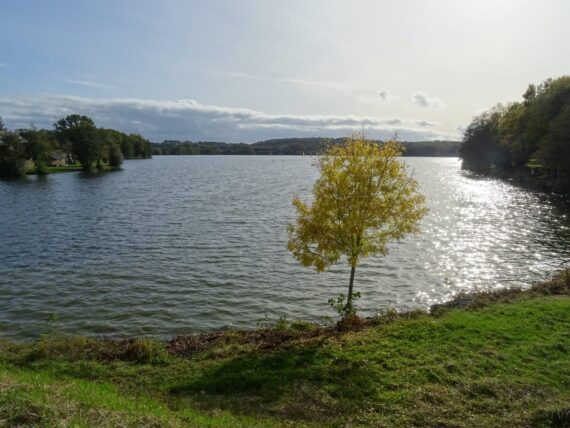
pixel 307 382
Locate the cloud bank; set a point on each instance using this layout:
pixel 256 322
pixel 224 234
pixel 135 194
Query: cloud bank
pixel 188 119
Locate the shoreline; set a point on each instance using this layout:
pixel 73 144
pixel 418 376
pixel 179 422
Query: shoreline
pixel 482 359
pixel 463 300
pixel 272 334
pixel 522 177
pixel 75 168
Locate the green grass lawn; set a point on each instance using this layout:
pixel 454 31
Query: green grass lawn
pixel 505 364
pixel 66 168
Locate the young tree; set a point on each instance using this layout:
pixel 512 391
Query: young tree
pixel 363 199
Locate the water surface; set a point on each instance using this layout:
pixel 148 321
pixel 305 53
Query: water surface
pixel 190 244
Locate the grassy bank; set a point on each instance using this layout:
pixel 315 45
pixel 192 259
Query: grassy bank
pixel 67 168
pixel 55 169
pixel 502 360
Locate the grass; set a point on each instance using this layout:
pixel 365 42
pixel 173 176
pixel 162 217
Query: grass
pixel 66 168
pixel 503 361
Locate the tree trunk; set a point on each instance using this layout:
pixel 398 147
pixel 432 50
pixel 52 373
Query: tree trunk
pixel 350 286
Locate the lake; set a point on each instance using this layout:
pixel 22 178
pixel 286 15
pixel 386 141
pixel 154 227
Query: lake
pixel 177 245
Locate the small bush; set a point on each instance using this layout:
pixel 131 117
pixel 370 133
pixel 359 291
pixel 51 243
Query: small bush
pixel 341 306
pixel 350 322
pixel 281 324
pixel 145 351
pixel 385 317
pixel 41 167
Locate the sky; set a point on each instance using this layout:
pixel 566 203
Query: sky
pixel 244 71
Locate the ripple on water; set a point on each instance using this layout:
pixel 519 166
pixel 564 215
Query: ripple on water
pixel 187 244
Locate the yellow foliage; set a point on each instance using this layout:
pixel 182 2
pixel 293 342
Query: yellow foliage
pixel 363 199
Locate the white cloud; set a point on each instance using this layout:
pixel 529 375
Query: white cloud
pixel 362 94
pixel 340 87
pixel 425 123
pixel 188 119
pixel 90 84
pixel 383 96
pixel 386 96
pixel 421 99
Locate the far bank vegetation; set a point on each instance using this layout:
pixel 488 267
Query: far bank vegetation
pixel 74 143
pixel 292 146
pixel 529 140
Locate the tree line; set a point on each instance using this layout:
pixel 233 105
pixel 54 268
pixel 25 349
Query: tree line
pixel 531 136
pixel 74 138
pixel 291 146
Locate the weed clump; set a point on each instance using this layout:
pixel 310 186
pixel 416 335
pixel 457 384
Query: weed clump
pixel 552 418
pixel 75 348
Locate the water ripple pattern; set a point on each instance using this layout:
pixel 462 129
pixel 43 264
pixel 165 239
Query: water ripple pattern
pixel 178 245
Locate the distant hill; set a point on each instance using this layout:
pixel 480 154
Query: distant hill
pixel 291 146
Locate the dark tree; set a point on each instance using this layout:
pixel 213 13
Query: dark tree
pixel 12 154
pixel 115 156
pixel 141 146
pixel 80 133
pixel 481 148
pixel 39 144
pixel 554 148
pixel 533 134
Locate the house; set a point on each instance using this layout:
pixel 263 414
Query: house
pixel 29 164
pixel 57 159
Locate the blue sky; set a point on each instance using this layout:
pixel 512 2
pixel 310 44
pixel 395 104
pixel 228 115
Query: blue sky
pixel 250 70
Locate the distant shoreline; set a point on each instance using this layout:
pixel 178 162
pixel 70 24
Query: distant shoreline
pixel 293 147
pixel 524 178
pixel 404 155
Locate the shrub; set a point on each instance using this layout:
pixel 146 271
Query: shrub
pixel 115 156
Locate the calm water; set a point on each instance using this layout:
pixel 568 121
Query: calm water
pixel 186 244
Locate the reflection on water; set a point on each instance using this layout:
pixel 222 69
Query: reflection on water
pixel 185 244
